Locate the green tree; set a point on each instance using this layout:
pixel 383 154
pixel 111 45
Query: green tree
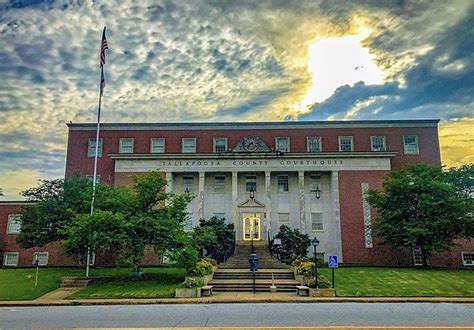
pixel 420 207
pixel 215 237
pixel 294 244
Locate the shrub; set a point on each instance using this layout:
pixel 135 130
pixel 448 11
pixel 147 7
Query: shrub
pixel 294 244
pixel 323 282
pixel 201 268
pixel 191 283
pixel 215 237
pixel 210 260
pixel 298 261
pixel 305 268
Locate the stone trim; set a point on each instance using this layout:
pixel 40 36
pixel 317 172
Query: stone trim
pixel 367 217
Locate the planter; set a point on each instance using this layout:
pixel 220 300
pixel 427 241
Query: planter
pixel 214 269
pixel 300 278
pixel 204 279
pixel 188 292
pixel 313 292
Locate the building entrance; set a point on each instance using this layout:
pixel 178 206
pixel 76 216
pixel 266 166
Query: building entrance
pixel 251 226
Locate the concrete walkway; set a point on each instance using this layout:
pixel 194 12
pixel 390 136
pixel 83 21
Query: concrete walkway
pixel 57 298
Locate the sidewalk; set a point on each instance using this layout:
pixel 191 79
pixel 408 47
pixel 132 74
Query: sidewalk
pixel 56 298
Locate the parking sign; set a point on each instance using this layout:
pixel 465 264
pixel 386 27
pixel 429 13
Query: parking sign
pixel 332 262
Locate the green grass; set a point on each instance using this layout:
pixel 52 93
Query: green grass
pixel 19 283
pixel 402 282
pixel 167 279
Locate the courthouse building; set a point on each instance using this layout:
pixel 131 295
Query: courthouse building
pixel 260 175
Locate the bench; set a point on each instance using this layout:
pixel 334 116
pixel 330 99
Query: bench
pixel 302 290
pixel 206 290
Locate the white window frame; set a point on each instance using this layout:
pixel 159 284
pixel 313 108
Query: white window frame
pixel 340 142
pixel 38 253
pixel 286 222
pixel 464 261
pixel 315 182
pixel 220 188
pixel 11 218
pixel 214 147
pixel 183 141
pixel 318 138
pixel 250 179
pixel 313 222
pixel 416 255
pixel 91 148
pixel 277 143
pixel 186 182
pixel 153 146
pixel 417 152
pixel 383 148
pixel 17 254
pixel 281 185
pixel 122 147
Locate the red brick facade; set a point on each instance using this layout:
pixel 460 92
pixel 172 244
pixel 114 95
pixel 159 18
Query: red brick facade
pixel 350 181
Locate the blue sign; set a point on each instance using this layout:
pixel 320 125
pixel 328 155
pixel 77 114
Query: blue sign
pixel 332 262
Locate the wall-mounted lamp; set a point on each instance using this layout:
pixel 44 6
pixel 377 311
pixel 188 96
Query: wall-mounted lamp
pixel 186 191
pixel 317 192
pixel 252 194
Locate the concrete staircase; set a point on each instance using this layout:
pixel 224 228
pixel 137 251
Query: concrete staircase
pixel 234 274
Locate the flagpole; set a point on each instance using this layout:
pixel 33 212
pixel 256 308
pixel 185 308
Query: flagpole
pixel 94 179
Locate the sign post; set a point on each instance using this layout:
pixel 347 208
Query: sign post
pixel 333 264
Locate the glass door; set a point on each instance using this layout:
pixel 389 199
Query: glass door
pixel 251 226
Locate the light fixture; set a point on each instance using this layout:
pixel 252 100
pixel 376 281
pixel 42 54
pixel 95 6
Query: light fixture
pixel 317 192
pixel 315 241
pixel 186 191
pixel 252 194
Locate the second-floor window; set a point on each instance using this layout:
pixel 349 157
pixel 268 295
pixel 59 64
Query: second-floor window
pixel 14 224
pixel 91 148
pixel 251 183
pixel 157 146
pixel 410 144
pixel 346 143
pixel 220 145
pixel 189 145
pixel 188 183
pixel 126 146
pixel 378 143
pixel 314 144
pixel 282 144
pixel 219 184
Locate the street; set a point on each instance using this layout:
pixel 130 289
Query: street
pixel 183 315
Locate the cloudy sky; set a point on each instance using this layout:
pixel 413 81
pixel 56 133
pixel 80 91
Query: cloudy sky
pixel 228 60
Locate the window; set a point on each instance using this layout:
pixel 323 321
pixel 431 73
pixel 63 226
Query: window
pixel 126 146
pixel 283 183
pixel 251 183
pixel 314 182
pixel 417 257
pixel 14 224
pixel 282 144
pixel 42 258
pixel 188 183
pixel 219 184
pixel 345 143
pixel 91 148
pixel 219 215
pixel 316 221
pixel 314 144
pixel 378 143
pixel 220 145
pixel 283 219
pixel 188 225
pixel 189 145
pixel 10 259
pixel 91 178
pixel 410 144
pixel 157 146
pixel 468 258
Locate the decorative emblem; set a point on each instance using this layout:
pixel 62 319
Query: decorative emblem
pixel 251 144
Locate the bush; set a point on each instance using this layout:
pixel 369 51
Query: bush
pixel 192 283
pixel 216 237
pixel 201 268
pixel 294 244
pixel 211 261
pixel 323 282
pixel 305 268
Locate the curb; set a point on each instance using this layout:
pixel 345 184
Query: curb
pixel 178 301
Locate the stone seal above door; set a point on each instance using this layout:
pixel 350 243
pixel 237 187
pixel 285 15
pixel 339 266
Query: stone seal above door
pixel 251 144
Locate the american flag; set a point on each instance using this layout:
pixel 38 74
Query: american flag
pixel 103 47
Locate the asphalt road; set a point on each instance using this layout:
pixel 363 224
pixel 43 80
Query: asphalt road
pixel 314 314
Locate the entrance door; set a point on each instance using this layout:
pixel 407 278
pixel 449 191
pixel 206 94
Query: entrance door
pixel 251 226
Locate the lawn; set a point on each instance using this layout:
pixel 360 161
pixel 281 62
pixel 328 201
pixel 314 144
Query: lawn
pixel 161 286
pixel 402 282
pixel 19 283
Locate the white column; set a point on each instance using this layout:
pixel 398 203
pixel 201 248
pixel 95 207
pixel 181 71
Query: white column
pixel 202 176
pixel 268 202
pixel 235 216
pixel 169 184
pixel 336 239
pixel 302 201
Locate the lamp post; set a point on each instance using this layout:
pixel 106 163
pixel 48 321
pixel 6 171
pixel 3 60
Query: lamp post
pixel 315 243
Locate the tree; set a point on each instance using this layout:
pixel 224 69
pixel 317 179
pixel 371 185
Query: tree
pixel 420 207
pixel 215 237
pixel 294 244
pixel 125 218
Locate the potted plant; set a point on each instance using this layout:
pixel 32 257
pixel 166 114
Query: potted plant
pixel 191 289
